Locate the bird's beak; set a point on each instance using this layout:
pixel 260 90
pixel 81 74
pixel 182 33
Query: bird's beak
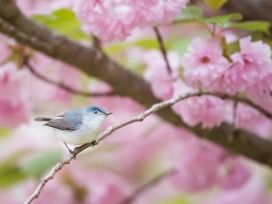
pixel 108 114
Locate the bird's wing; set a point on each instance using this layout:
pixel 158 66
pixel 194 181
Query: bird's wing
pixel 61 124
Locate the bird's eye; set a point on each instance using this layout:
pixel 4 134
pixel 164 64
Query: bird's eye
pixel 95 112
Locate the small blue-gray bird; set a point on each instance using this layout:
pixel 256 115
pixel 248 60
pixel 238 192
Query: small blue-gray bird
pixel 77 126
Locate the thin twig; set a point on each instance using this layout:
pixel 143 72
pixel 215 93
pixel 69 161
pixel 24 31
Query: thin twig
pixel 59 84
pixel 163 50
pixel 207 27
pixel 139 118
pixel 146 186
pixel 87 60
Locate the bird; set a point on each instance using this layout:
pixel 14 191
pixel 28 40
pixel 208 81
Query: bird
pixel 77 126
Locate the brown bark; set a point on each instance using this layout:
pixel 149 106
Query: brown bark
pixel 251 9
pixel 124 82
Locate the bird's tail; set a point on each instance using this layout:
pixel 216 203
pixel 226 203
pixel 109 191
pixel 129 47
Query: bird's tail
pixel 42 119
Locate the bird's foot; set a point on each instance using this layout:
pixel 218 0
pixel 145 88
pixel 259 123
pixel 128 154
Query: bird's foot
pixel 93 143
pixel 73 153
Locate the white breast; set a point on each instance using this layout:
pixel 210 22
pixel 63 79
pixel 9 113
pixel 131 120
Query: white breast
pixel 87 132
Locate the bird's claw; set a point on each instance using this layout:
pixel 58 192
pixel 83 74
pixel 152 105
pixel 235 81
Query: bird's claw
pixel 93 143
pixel 73 153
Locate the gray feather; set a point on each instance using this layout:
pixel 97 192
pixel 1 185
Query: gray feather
pixel 74 117
pixel 68 121
pixel 42 119
pixel 60 124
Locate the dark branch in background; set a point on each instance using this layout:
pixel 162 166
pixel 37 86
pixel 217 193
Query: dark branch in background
pixel 147 186
pixel 123 81
pixel 10 30
pixel 61 85
pixel 88 60
pixel 250 9
pixel 234 114
pixel 163 50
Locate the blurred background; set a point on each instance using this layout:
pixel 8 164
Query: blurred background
pixel 150 162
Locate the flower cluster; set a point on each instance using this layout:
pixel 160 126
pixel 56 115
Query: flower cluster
pixel 125 165
pixel 14 108
pixel 205 67
pixel 115 19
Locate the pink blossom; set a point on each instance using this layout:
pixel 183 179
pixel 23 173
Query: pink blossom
pixel 157 74
pixel 30 7
pixel 54 192
pixel 236 174
pixel 137 154
pixel 39 88
pixel 114 20
pixel 5 52
pixel 260 92
pixel 102 186
pixel 56 71
pixel 209 110
pixel 13 114
pixel 5 196
pixel 42 7
pixel 249 66
pixel 14 104
pixel 197 166
pixel 204 63
pixel 251 193
pixel 67 75
pixel 250 119
pixel 181 88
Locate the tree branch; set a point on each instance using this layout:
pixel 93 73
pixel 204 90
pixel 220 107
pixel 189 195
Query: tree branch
pixel 123 81
pixel 92 61
pixel 251 9
pixel 163 50
pixel 32 41
pixel 236 99
pixel 222 134
pixel 61 85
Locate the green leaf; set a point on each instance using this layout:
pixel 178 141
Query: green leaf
pixel 114 48
pixel 11 177
pixel 197 18
pixel 190 12
pixel 262 26
pixel 38 165
pixel 222 20
pixel 3 132
pixel 215 4
pixel 149 43
pixel 232 48
pixel 9 170
pixel 181 46
pixel 63 21
pixel 176 200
